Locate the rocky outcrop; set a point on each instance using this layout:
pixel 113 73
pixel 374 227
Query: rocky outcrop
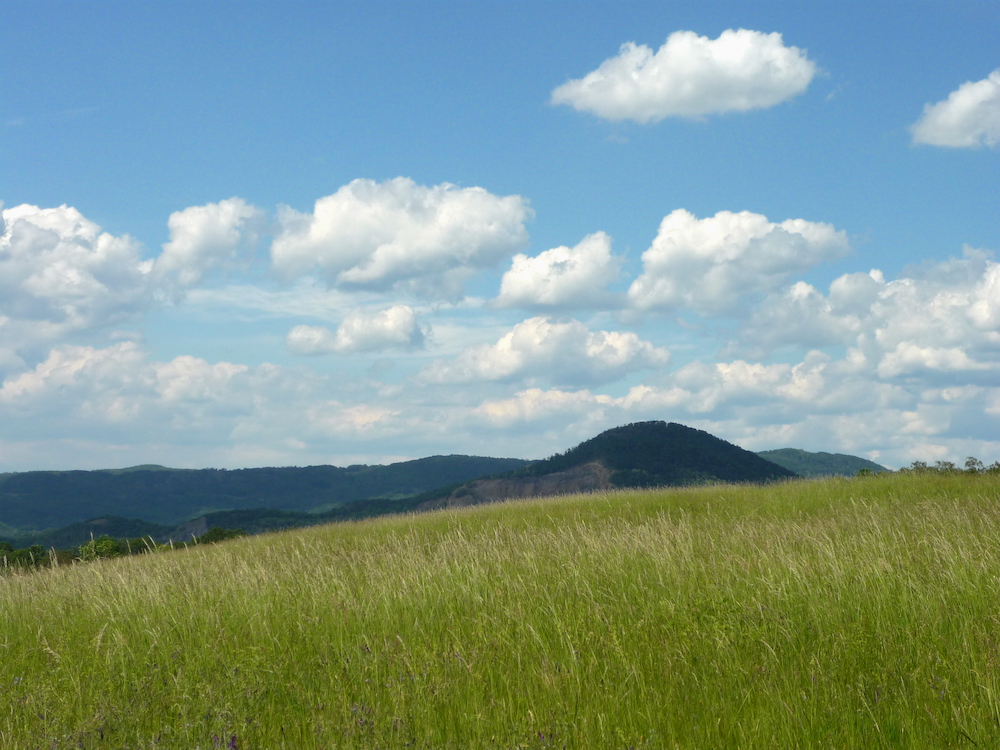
pixel 584 478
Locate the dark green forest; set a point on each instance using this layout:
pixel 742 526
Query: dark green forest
pixel 654 454
pixel 38 500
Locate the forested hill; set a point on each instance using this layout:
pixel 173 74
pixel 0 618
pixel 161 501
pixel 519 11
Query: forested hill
pixel 820 464
pixel 50 499
pixel 652 454
pixel 643 454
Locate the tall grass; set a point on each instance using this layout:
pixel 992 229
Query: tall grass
pixel 841 613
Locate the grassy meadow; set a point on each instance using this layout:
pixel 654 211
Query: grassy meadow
pixel 857 613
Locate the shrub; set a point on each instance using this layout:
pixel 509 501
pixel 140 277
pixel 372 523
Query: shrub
pixel 102 547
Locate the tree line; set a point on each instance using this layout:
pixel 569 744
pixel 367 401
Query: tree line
pixel 100 548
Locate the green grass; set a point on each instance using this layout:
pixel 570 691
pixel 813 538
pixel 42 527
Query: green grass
pixel 836 613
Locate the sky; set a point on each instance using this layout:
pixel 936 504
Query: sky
pixel 246 234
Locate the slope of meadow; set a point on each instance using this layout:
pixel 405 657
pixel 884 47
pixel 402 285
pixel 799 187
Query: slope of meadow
pixel 831 613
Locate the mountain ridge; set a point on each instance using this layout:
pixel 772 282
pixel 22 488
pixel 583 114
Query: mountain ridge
pixel 39 500
pixel 820 464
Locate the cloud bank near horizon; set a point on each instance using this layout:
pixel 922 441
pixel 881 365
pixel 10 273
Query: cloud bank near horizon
pixel 896 369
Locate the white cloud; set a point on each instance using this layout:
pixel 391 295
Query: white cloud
pixel 563 352
pixel 118 386
pixel 910 371
pixel 206 237
pixel 691 76
pixel 562 277
pixel 709 265
pixel 968 118
pixel 428 240
pixel 535 405
pixel 60 274
pixel 943 318
pixel 907 358
pixel 360 332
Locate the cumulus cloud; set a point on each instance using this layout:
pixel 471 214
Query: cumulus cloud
pixel 59 273
pixel 564 352
pixel 691 76
pixel 535 405
pixel 119 393
pixel 206 237
pixel 943 318
pixel 563 276
pixel 709 265
pixel 117 385
pixel 427 240
pixel 968 118
pixel 360 332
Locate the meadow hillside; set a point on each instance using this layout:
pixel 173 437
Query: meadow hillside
pixel 839 613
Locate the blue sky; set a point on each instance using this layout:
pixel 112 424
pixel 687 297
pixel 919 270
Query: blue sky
pixel 228 319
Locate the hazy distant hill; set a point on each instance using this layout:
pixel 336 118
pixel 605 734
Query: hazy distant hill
pixel 820 464
pixel 53 499
pixel 643 454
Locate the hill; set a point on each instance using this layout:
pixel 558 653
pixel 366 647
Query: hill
pixel 37 500
pixel 821 464
pixel 643 454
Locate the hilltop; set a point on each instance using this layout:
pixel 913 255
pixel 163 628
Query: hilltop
pixel 642 454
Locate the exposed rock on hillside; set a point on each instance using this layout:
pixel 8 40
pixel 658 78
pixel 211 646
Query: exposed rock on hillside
pixel 585 478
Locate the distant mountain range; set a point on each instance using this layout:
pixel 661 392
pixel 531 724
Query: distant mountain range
pixel 64 508
pixel 810 465
pixel 37 500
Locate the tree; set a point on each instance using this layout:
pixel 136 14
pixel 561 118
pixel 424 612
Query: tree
pixel 102 547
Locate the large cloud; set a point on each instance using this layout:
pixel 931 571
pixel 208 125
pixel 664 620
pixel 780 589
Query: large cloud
pixel 118 394
pixel 709 265
pixel 944 318
pixel 562 277
pixel 360 332
pixel 969 117
pixel 561 352
pixel 59 273
pixel 691 76
pixel 206 237
pixel 397 233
